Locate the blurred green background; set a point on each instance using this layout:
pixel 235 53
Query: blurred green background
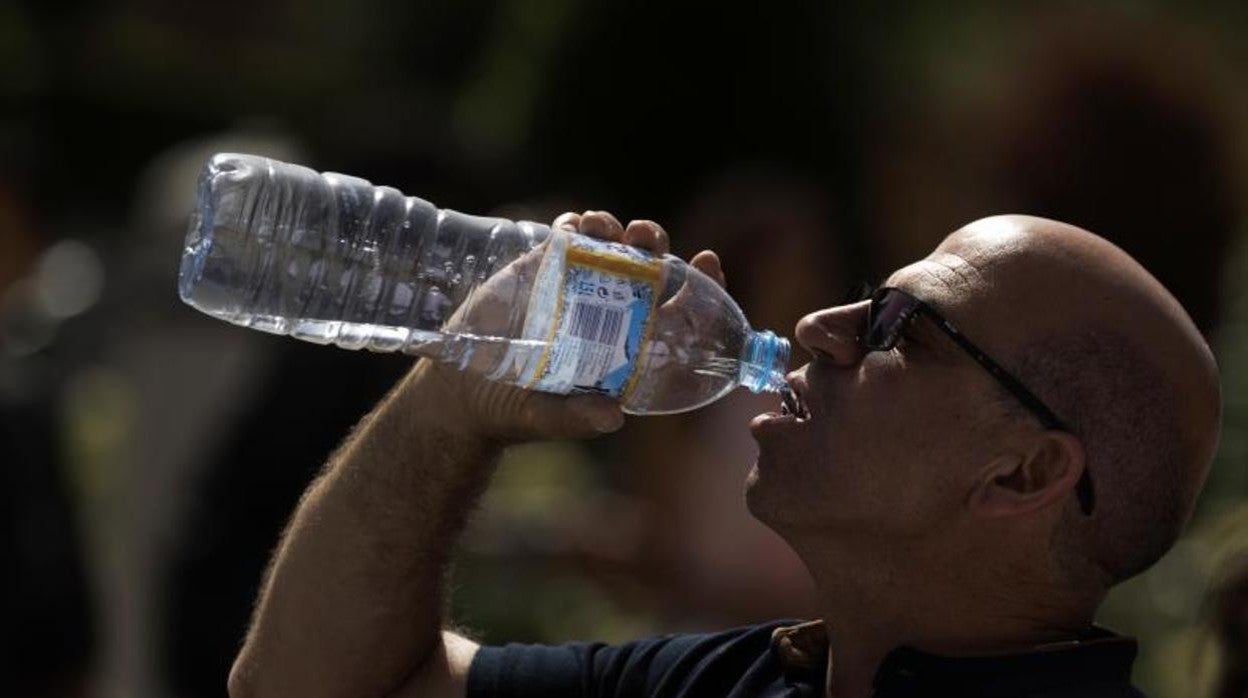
pixel 151 455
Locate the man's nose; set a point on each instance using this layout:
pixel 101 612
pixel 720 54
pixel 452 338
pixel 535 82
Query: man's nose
pixel 833 333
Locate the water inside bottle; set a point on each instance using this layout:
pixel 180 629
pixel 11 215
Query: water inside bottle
pixel 331 259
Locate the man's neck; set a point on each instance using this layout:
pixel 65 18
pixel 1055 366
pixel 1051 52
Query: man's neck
pixel 884 601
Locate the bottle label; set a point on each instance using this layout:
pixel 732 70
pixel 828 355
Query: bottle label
pixel 601 319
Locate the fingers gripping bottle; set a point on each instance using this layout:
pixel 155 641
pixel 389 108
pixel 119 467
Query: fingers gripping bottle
pixel 332 259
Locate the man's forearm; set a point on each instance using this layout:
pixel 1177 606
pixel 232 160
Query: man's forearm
pixel 354 599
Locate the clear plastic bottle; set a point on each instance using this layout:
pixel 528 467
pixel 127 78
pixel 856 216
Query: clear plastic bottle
pixel 330 258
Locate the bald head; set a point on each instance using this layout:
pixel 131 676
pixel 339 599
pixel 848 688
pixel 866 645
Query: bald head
pixel 1103 343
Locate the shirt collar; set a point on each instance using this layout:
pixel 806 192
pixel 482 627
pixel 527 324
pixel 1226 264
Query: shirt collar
pixel 1099 655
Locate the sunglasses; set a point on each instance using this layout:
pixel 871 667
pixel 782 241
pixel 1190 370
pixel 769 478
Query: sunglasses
pixel 891 312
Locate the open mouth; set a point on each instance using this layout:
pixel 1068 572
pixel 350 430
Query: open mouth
pixel 793 410
pixel 791 403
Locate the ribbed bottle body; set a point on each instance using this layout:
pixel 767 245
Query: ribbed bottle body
pixel 333 259
pixel 330 258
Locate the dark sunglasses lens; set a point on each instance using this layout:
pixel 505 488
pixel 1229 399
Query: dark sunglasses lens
pixel 889 310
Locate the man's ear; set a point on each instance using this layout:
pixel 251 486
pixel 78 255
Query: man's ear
pixel 1025 481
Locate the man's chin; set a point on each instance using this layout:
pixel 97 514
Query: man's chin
pixel 778 497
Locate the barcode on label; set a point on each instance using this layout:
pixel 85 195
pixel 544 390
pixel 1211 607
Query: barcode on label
pixel 597 329
pixel 596 323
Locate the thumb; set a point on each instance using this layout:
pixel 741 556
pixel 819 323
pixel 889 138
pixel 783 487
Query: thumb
pixel 569 417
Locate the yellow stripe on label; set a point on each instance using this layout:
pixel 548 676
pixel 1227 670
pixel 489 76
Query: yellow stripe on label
pixel 617 264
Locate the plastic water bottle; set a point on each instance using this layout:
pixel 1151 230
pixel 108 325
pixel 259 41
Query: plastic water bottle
pixel 330 258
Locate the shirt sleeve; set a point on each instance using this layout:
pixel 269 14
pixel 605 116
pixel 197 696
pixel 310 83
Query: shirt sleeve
pixel 669 665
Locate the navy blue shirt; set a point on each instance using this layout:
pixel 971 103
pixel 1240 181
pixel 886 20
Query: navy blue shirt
pixel 788 658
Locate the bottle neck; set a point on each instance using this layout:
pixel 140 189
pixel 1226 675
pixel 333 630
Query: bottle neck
pixel 764 361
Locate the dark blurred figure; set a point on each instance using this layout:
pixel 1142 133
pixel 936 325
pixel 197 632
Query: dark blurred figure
pixel 48 639
pixel 47 643
pixel 253 478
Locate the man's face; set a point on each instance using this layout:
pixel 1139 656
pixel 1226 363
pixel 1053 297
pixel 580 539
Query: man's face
pixel 893 437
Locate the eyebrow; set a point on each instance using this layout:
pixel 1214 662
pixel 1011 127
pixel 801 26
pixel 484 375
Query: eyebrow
pixel 967 274
pixel 918 270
